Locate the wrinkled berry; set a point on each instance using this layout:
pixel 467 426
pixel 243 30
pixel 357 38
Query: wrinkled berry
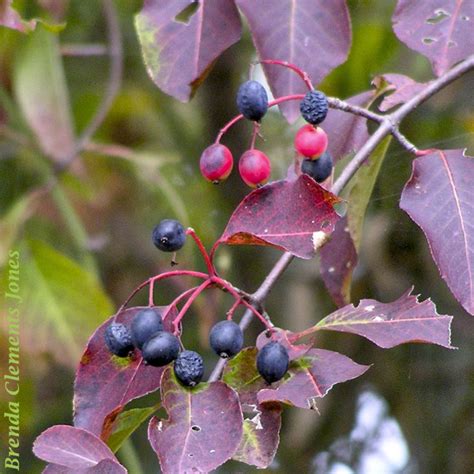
pixel 226 338
pixel 216 163
pixel 310 141
pixel 118 339
pixel 254 168
pixel 272 361
pixel 252 100
pixel 314 107
pixel 161 349
pixel 169 235
pixel 189 368
pixel 145 323
pixel 319 169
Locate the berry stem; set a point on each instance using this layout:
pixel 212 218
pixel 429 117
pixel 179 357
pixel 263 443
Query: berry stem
pixel 188 303
pixel 256 129
pixel 304 75
pixel 210 267
pixel 150 293
pixel 182 296
pixel 230 313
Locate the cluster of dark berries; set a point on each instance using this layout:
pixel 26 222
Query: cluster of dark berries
pixel 216 161
pixel 310 142
pixel 158 347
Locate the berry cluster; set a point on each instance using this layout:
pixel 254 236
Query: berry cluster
pixel 160 347
pixel 310 142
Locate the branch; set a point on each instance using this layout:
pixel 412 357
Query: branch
pixel 388 125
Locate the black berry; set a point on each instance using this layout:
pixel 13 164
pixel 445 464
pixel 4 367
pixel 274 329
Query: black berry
pixel 189 368
pixel 118 339
pixel 169 235
pixel 145 323
pixel 272 361
pixel 252 100
pixel 314 107
pixel 319 169
pixel 226 338
pixel 161 349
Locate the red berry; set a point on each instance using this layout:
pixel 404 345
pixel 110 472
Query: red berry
pixel 254 168
pixel 216 163
pixel 311 142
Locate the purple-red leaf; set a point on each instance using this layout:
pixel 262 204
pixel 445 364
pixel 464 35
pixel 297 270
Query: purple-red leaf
pixel 106 383
pixel 439 197
pixel 347 132
pixel 403 87
pixel 179 53
pixel 75 449
pixel 390 324
pixel 312 377
pixel 313 34
pixel 203 429
pixel 106 466
pixel 295 216
pixel 338 260
pixel 440 30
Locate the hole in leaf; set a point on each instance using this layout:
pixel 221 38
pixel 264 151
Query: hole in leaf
pixel 184 16
pixel 196 428
pixel 438 16
pixel 325 224
pixel 451 44
pixel 465 18
pixel 428 40
pixel 340 208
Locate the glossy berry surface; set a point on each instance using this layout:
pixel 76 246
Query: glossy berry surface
pixel 226 339
pixel 216 163
pixel 252 100
pixel 314 107
pixel 310 141
pixel 272 362
pixel 189 368
pixel 118 339
pixel 254 168
pixel 169 235
pixel 319 169
pixel 144 325
pixel 161 349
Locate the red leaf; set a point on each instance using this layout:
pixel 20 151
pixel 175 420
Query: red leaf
pixel 439 197
pixel 313 34
pixel 403 87
pixel 440 30
pixel 106 383
pixel 179 55
pixel 347 132
pixel 390 324
pixel 106 466
pixel 338 260
pixel 312 377
pixel 204 426
pixel 295 216
pixel 74 448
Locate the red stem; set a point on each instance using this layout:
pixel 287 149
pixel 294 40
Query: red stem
pixel 181 297
pixel 256 128
pixel 210 267
pixel 280 100
pixel 300 72
pixel 150 293
pixel 230 313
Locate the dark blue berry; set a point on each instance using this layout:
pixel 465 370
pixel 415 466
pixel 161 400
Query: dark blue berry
pixel 272 361
pixel 252 100
pixel 169 235
pixel 145 323
pixel 314 107
pixel 118 339
pixel 319 169
pixel 189 368
pixel 161 349
pixel 226 339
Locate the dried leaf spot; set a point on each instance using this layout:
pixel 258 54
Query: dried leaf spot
pixel 438 16
pixel 311 401
pixel 451 44
pixel 196 428
pixel 319 239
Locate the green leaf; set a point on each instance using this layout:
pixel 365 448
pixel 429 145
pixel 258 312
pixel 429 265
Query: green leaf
pixel 126 423
pixel 41 91
pixel 361 188
pixel 62 303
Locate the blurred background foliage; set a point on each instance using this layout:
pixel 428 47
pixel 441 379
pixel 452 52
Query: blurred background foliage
pixel 85 241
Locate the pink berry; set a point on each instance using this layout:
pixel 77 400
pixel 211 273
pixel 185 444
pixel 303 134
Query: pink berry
pixel 216 163
pixel 254 168
pixel 311 142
